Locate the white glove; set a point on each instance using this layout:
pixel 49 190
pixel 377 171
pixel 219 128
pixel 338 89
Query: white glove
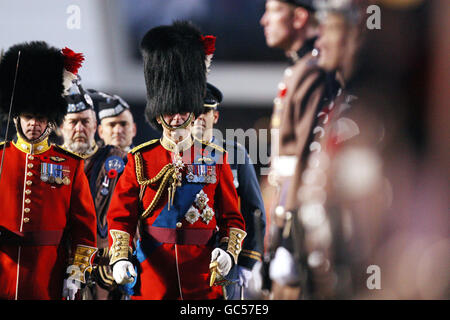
pixel 223 259
pixel 282 267
pixel 256 281
pixel 245 275
pixel 70 288
pixel 123 272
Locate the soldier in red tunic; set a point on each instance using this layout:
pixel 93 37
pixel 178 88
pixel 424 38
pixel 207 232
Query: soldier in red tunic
pixel 47 213
pixel 180 191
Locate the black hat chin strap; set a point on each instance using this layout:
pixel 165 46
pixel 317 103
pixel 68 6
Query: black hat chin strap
pixel 181 126
pixel 50 127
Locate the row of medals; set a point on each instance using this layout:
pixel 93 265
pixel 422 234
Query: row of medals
pixel 201 173
pixel 54 173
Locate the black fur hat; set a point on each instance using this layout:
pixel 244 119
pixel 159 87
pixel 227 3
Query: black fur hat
pixel 39 85
pixel 175 70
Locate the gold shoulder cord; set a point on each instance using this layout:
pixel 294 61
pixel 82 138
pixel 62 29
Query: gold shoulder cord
pixel 167 173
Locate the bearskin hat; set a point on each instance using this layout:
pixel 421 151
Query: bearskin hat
pixel 39 84
pixel 175 66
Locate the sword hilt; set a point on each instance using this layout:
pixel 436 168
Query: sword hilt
pixel 213 270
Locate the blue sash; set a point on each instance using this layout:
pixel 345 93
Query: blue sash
pixel 184 198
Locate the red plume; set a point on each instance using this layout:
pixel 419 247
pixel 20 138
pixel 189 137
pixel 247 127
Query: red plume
pixel 209 43
pixel 72 60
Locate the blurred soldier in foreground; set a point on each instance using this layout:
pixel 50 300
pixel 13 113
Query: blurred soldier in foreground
pixel 117 126
pixel 388 238
pixel 343 192
pixel 291 26
pixel 181 192
pixel 247 186
pixel 47 213
pixel 103 167
pixel 318 220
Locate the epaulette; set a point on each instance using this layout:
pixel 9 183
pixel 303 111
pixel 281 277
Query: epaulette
pixel 143 145
pixel 235 145
pixel 67 152
pixel 215 146
pixel 239 145
pixel 3 142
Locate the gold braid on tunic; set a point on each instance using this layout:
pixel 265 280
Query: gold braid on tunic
pixel 168 174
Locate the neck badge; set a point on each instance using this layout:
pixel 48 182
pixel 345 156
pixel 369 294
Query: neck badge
pixel 113 166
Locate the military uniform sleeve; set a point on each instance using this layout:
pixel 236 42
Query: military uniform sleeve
pixel 82 217
pixel 123 213
pixel 308 99
pixel 251 200
pixel 231 223
pixel 82 225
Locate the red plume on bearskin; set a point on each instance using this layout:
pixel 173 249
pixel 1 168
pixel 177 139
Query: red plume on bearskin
pixel 209 43
pixel 72 60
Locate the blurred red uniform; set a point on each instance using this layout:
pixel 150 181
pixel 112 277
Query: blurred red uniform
pixel 41 222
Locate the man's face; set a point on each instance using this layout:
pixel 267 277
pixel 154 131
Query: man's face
pixel 33 126
pixel 277 21
pixel 78 130
pixel 332 42
pixel 204 124
pixel 176 120
pixel 119 130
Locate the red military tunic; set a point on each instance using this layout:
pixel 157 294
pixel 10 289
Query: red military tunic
pixel 49 216
pixel 175 245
